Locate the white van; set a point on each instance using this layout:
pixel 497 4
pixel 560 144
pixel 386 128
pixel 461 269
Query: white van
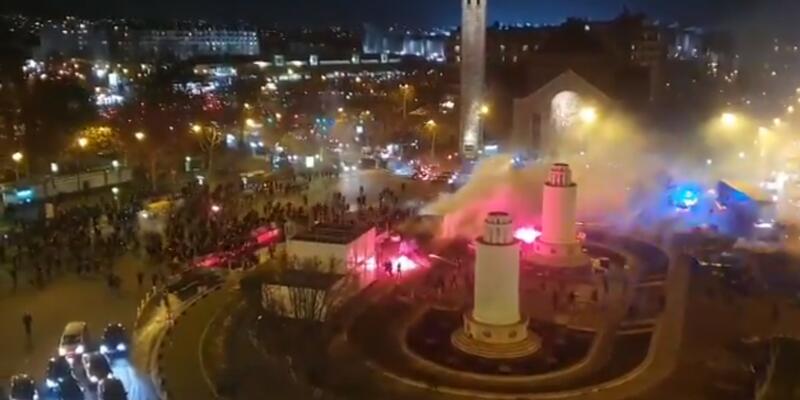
pixel 74 341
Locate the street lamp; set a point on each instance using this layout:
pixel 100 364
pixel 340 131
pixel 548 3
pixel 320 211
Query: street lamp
pixel 251 123
pixel 483 112
pixel 729 119
pixel 431 126
pixel 139 136
pixel 405 88
pixel 588 115
pixel 17 158
pixel 209 139
pixel 82 143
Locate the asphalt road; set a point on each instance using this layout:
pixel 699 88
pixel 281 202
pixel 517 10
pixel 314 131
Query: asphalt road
pixel 67 298
pixel 182 365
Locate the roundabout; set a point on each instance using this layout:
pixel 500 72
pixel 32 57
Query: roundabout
pixel 523 319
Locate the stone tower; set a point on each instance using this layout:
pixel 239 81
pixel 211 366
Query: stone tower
pixel 495 328
pixel 473 70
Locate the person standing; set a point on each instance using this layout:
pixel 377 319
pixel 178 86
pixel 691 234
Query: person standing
pixel 14 278
pixel 27 322
pixel 140 279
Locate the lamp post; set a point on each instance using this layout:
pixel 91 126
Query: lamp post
pixel 17 158
pixel 483 112
pixel 82 143
pixel 588 115
pixel 210 137
pixel 405 88
pixel 140 137
pixel 431 126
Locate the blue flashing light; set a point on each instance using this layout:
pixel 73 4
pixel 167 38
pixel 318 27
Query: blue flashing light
pixel 689 198
pixel 685 197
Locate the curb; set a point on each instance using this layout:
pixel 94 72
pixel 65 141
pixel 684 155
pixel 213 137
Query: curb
pixel 159 382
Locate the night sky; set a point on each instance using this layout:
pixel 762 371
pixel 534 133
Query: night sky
pixel 416 12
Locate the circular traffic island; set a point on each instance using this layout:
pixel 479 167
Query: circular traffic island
pixel 438 338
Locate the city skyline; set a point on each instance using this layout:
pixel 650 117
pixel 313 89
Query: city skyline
pixel 415 12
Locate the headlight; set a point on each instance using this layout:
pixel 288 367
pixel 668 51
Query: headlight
pixel 79 349
pixel 121 347
pixel 103 349
pixel 62 351
pixel 50 383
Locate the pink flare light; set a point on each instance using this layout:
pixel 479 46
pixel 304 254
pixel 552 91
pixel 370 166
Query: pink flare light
pixel 406 264
pixel 527 234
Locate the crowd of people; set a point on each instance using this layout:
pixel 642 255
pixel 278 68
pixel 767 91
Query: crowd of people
pixel 85 238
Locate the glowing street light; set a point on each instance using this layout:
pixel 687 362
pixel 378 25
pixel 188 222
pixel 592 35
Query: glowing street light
pixel 196 128
pixel 53 167
pixel 405 89
pixel 777 122
pixel 83 142
pixel 588 115
pixel 251 123
pixel 484 110
pixel 431 126
pixel 729 119
pixel 139 136
pixel 790 109
pixel 17 157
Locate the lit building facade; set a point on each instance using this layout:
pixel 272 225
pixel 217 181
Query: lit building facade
pixel 72 38
pixel 430 46
pixel 185 44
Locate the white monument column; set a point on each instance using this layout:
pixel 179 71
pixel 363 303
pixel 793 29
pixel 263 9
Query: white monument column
pixel 497 273
pixel 473 71
pixel 559 245
pixel 494 328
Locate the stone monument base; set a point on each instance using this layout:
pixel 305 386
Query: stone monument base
pixel 496 341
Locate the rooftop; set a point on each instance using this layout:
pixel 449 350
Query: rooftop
pixel 333 233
